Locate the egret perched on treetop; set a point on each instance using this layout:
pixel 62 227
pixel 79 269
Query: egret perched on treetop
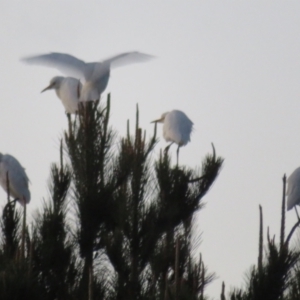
pixel 67 90
pixel 95 74
pixel 293 189
pixel 177 128
pixel 13 176
pixel 17 178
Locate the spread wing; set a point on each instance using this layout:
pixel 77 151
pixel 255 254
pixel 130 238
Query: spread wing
pixel 74 67
pixel 127 58
pixel 65 63
pixel 100 69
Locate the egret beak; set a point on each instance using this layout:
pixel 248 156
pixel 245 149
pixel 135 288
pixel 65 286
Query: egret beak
pixel 48 87
pixel 156 121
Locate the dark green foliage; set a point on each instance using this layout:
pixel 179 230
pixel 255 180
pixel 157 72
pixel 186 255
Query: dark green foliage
pixel 88 143
pixel 51 252
pixel 294 288
pixel 16 280
pixel 17 283
pixel 117 224
pixel 148 208
pixel 10 227
pixel 177 275
pixel 272 278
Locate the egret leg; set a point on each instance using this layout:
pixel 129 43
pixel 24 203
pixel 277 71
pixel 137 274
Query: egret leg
pixel 177 152
pixel 297 213
pixel 23 233
pixel 78 90
pixel 167 148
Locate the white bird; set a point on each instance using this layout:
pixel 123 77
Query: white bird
pixel 293 189
pixel 177 128
pixel 67 90
pixel 18 180
pixel 95 74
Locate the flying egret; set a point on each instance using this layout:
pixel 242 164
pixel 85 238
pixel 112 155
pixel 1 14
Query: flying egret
pixel 67 90
pixel 94 74
pixel 177 128
pixel 17 178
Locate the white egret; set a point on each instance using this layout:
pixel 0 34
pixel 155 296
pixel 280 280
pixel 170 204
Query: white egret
pixel 177 128
pixel 17 178
pixel 95 74
pixel 293 189
pixel 67 90
pixel 17 183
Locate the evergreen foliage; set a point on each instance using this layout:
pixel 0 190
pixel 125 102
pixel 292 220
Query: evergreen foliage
pixel 51 248
pixel 273 278
pixel 118 225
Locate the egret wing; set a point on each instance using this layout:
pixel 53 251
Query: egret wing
pixel 127 58
pixel 293 180
pixel 96 71
pixel 293 189
pixel 187 125
pixel 65 63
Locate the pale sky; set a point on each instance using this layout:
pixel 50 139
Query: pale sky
pixel 232 66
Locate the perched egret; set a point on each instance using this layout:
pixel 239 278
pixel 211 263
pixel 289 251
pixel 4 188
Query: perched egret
pixel 17 178
pixel 177 128
pixel 67 90
pixel 95 74
pixel 293 189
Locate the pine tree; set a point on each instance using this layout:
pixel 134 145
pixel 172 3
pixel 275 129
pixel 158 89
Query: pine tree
pixel 271 279
pixel 51 246
pixel 126 208
pixel 118 221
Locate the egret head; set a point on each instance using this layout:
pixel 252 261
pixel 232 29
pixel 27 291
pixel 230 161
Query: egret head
pixel 54 83
pixel 162 118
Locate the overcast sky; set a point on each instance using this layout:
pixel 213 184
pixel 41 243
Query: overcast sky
pixel 232 66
